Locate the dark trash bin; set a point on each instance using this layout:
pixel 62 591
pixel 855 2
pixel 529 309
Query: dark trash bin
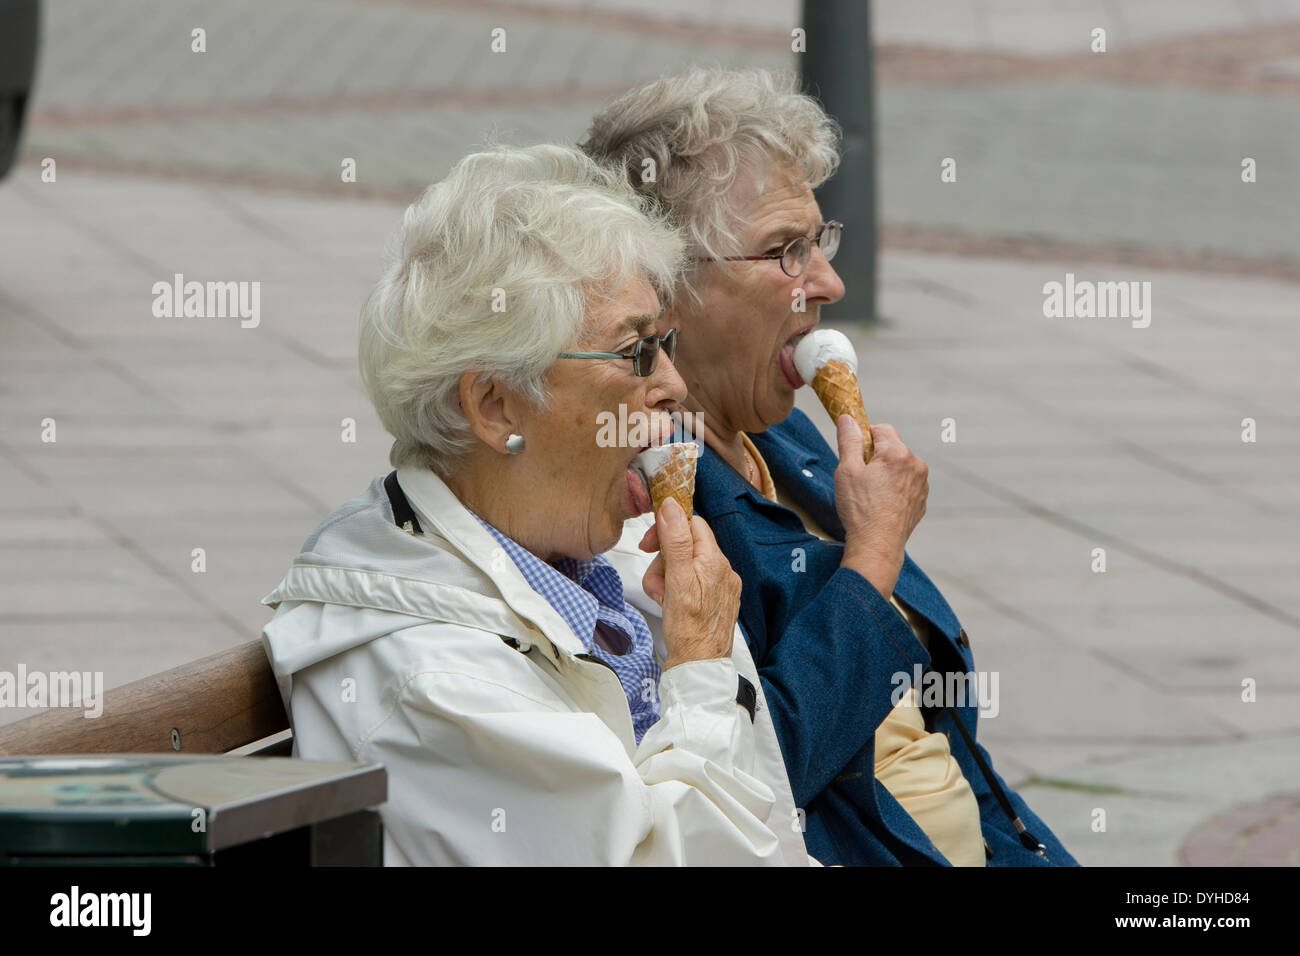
pixel 189 810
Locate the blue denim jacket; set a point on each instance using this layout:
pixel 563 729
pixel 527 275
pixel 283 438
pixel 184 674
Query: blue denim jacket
pixel 828 646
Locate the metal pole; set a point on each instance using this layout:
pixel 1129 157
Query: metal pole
pixel 837 69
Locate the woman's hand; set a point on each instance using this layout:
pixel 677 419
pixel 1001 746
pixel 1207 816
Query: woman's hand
pixel 693 582
pixel 880 504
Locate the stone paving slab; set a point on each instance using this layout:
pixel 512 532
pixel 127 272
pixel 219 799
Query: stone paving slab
pixel 1274 710
pixel 286 90
pixel 1109 163
pixel 1028 26
pixel 88 638
pixel 1115 705
pixel 1026 760
pixel 297 48
pixel 1164 795
pixel 1264 833
pixel 107 578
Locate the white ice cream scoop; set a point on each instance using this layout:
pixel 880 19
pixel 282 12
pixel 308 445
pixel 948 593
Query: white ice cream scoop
pixel 825 360
pixel 653 460
pixel 669 472
pixel 821 346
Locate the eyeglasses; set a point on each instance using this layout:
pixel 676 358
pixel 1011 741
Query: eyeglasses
pixel 643 356
pixel 798 251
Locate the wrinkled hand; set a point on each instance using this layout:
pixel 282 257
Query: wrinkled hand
pixel 880 504
pixel 693 582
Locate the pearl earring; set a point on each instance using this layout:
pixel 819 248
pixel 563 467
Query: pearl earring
pixel 515 444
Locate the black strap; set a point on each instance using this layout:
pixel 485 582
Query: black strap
pixel 1027 839
pixel 403 513
pixel 747 697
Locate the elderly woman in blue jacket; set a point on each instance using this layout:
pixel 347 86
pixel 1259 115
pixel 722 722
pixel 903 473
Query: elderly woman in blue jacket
pixel 833 608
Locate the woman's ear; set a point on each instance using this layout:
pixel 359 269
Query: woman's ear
pixel 489 408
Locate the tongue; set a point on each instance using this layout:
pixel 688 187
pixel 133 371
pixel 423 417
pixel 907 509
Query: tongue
pixel 787 366
pixel 640 491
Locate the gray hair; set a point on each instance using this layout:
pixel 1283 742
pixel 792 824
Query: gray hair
pixel 541 231
pixel 703 129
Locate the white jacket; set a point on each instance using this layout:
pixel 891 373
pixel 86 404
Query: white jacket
pixel 390 647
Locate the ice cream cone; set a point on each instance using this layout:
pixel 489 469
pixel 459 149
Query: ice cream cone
pixel 837 386
pixel 674 476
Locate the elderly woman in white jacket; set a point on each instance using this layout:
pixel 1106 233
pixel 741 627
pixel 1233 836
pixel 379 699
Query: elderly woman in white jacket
pixel 459 623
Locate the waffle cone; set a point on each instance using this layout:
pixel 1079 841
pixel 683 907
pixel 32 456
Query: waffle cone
pixel 676 479
pixel 837 387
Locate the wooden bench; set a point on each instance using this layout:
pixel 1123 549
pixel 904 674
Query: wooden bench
pixel 223 703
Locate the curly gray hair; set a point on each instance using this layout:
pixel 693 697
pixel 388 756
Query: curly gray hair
pixel 686 139
pixel 494 268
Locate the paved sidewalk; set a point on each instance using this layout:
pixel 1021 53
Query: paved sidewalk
pixel 1119 691
pixel 1057 148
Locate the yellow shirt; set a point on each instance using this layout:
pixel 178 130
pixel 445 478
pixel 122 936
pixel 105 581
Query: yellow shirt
pixel 915 766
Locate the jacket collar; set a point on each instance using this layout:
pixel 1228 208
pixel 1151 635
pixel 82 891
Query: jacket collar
pixel 441 513
pixel 804 473
pixel 802 463
pixel 801 472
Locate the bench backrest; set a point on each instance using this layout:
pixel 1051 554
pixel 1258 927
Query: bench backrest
pixel 210 706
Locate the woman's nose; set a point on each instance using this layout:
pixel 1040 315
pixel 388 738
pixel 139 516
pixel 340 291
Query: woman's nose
pixel 668 383
pixel 821 281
